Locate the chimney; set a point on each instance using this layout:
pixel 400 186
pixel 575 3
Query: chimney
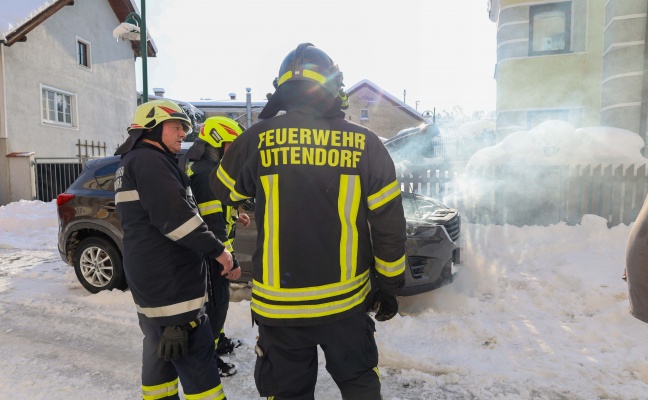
pixel 159 92
pixel 232 96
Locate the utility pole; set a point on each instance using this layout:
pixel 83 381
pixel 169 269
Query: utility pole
pixel 143 42
pixel 404 91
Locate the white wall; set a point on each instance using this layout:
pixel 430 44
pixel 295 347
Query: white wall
pixel 106 93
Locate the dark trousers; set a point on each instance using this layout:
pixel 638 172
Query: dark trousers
pixel 286 365
pixel 219 297
pixel 197 371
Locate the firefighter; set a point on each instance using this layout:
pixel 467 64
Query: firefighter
pixel 216 135
pixel 330 222
pixel 165 241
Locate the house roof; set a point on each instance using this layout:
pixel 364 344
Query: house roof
pixel 18 18
pixel 389 97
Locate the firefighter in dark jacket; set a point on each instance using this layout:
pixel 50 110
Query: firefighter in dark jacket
pixel 164 243
pixel 330 223
pixel 216 134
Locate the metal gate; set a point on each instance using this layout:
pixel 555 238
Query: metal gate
pixel 55 175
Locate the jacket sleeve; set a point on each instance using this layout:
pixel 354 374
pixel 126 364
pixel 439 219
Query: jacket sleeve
pixel 167 203
pixel 386 217
pixel 211 209
pixel 233 181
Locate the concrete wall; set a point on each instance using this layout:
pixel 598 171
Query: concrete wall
pixel 105 93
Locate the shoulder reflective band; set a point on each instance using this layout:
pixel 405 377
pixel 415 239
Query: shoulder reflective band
pixel 185 229
pixel 390 269
pixel 384 195
pixel 129 195
pixel 210 207
pixel 225 178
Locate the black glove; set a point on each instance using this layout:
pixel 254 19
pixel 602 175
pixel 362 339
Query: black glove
pixel 385 305
pixel 174 343
pixel 248 205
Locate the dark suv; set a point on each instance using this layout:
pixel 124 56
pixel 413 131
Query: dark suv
pixel 90 235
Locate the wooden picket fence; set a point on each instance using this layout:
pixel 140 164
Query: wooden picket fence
pixel 535 195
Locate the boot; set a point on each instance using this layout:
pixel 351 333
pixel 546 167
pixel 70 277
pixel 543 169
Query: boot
pixel 226 345
pixel 225 369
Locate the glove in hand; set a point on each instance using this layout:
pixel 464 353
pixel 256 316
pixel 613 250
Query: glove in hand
pixel 385 305
pixel 174 343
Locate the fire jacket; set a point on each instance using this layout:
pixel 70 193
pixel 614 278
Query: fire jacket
pixel 165 239
pixel 221 220
pixel 328 211
pixel 637 265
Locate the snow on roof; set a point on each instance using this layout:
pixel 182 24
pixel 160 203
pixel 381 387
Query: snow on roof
pixel 16 13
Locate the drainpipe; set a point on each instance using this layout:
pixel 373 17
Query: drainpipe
pixel 643 115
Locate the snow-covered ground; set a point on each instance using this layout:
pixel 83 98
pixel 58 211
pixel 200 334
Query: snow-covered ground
pixel 534 313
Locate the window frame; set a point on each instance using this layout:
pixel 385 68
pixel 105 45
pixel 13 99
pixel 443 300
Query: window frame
pixel 44 100
pixel 566 7
pixel 81 41
pixel 364 114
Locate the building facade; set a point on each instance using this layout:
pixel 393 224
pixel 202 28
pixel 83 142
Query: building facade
pixel 65 80
pixel 581 61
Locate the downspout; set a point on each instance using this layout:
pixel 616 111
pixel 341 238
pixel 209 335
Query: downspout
pixel 643 115
pixel 4 162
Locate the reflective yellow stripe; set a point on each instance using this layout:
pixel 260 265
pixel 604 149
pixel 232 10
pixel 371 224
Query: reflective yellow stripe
pixel 185 229
pixel 236 196
pixel 162 391
pixel 309 310
pixel 314 76
pixel 377 373
pixel 210 207
pixel 223 177
pixel 308 293
pixel 348 204
pixel 384 195
pixel 216 393
pixel 270 185
pixel 284 77
pixel 390 269
pixel 173 309
pixel 129 195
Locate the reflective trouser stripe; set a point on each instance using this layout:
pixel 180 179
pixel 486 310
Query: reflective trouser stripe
pixel 216 393
pixel 167 389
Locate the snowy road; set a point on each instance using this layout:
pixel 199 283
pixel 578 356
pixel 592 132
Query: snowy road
pixel 534 313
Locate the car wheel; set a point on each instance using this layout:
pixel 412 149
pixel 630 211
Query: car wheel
pixel 98 265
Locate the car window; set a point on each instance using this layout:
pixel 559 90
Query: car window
pixel 105 176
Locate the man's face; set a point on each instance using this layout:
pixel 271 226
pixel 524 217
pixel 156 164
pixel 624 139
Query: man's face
pixel 172 135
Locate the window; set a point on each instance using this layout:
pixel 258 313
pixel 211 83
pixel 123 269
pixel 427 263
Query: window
pixel 364 115
pixel 57 106
pixel 83 53
pixel 549 28
pixel 535 118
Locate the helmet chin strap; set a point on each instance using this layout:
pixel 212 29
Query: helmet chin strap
pixel 155 135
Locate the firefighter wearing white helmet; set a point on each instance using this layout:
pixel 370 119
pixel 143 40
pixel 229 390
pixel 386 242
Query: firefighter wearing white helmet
pixel 164 245
pixel 330 223
pixel 216 134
